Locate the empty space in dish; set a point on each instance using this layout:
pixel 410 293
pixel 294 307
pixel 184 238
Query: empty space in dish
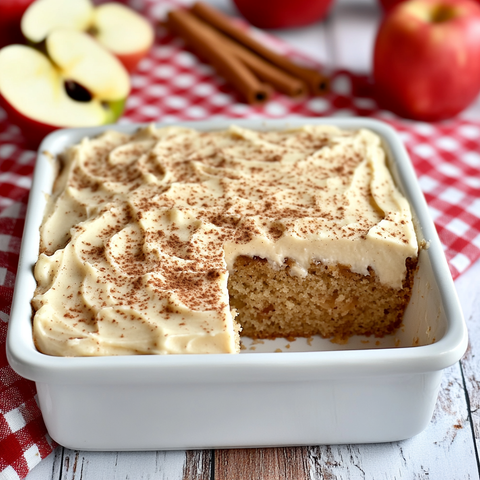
pixel 424 323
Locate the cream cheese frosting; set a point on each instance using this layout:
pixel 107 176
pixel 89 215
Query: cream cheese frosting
pixel 142 230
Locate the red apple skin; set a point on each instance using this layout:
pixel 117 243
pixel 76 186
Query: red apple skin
pixel 11 12
pixel 282 13
pixel 387 5
pixel 428 71
pixel 33 131
pixel 131 61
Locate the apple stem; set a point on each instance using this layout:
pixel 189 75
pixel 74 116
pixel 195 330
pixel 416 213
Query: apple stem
pixel 93 31
pixel 442 13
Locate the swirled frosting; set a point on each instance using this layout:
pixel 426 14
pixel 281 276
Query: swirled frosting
pixel 142 230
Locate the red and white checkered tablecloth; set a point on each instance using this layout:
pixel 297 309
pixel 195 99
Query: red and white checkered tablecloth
pixel 170 85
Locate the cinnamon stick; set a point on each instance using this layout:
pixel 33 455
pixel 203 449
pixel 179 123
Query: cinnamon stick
pixel 317 82
pixel 279 79
pixel 230 67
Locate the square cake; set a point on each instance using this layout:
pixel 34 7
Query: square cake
pixel 173 240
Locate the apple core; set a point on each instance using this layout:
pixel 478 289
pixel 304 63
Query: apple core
pixel 77 92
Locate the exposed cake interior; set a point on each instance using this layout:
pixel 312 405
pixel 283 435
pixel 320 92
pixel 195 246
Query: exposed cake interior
pixel 171 240
pixel 330 301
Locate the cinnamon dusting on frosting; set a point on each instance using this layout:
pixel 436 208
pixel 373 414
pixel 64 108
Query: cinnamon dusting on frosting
pixel 142 230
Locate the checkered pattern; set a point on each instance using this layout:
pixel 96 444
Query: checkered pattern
pixel 172 84
pixel 23 440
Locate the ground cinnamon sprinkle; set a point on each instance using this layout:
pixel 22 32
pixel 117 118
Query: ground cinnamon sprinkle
pixel 158 219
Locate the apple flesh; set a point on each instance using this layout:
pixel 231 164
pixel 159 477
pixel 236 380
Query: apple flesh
pixel 123 32
pixel 116 27
pixel 81 59
pixel 282 13
pixel 35 131
pixel 426 62
pixel 38 92
pixel 43 16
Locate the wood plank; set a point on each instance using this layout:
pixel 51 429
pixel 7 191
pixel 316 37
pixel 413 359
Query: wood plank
pixel 310 40
pixel 123 465
pixel 352 28
pixel 468 288
pixel 198 465
pixel 444 450
pixel 262 464
pixel 68 464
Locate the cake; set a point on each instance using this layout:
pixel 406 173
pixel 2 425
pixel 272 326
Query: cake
pixel 173 240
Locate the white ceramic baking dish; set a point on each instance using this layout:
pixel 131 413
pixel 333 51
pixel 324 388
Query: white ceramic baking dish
pixel 310 392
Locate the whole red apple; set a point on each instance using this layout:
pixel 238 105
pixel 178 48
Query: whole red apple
pixel 282 13
pixel 427 58
pixel 387 5
pixel 11 12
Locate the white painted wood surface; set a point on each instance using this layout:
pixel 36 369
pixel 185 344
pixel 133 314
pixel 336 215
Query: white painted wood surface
pixel 447 449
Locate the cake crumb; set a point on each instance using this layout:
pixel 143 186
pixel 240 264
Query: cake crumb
pixel 424 244
pixel 278 350
pixel 339 340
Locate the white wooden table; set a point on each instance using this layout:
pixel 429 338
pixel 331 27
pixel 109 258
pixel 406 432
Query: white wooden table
pixel 447 449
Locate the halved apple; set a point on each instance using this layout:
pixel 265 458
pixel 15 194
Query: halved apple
pixel 81 84
pixel 123 32
pixel 43 16
pixel 118 28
